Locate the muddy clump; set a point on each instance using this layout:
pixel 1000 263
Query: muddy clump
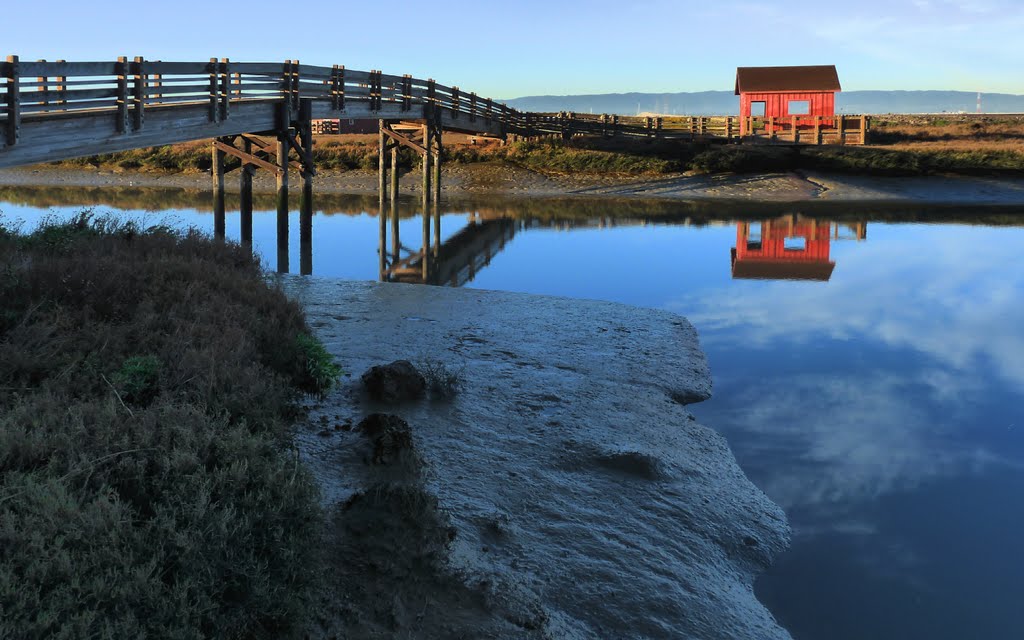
pixel 397 382
pixel 390 436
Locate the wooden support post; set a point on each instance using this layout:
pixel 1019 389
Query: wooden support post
pixel 138 93
pixel 396 241
pixel 13 101
pixel 438 150
pixel 863 129
pixel 306 203
pixel 44 87
pixel 218 193
pixel 122 94
pixel 425 262
pixel 394 174
pixel 225 88
pixel 282 201
pixel 796 133
pixel 245 196
pixel 382 169
pixel 817 129
pixel 840 125
pixel 426 161
pixel 382 242
pixel 771 129
pixel 214 110
pixel 62 87
pixel 437 228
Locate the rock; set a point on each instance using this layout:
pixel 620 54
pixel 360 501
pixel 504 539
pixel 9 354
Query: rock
pixel 395 382
pixel 621 515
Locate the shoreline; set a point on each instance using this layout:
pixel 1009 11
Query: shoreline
pixel 502 179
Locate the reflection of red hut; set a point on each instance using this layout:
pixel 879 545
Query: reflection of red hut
pixel 783 249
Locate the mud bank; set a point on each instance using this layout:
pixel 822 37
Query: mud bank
pixel 498 178
pixel 566 491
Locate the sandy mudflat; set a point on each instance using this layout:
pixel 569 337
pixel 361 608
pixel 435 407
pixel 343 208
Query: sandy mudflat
pixel 503 179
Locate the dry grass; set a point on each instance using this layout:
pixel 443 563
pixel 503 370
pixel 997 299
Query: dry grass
pixel 147 380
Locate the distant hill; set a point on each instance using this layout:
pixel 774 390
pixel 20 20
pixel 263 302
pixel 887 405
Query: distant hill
pixel 724 102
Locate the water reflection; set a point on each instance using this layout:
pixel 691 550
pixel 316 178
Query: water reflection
pixel 789 248
pixel 454 262
pixel 878 402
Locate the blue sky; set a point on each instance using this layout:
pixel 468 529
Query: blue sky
pixel 530 47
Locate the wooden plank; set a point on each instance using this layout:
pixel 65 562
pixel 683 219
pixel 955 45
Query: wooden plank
pixel 270 69
pixel 180 68
pixel 68 69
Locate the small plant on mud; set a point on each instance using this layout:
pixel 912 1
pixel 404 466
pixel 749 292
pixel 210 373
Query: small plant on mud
pixel 443 381
pixel 137 379
pixel 321 373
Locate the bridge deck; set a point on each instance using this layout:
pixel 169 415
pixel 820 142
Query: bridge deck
pixel 57 110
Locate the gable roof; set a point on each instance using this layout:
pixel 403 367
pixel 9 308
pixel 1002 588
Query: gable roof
pixel 768 79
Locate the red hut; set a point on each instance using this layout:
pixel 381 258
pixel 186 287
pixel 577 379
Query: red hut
pixel 783 92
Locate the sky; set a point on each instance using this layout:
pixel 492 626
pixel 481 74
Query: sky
pixel 535 47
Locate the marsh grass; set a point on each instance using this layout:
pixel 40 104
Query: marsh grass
pixel 147 486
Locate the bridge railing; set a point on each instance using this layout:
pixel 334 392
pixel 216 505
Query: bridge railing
pixel 129 87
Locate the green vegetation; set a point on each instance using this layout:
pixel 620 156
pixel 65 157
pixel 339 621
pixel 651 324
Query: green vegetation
pixel 147 486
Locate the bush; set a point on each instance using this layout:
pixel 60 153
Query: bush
pixel 320 373
pixel 146 482
pixel 442 381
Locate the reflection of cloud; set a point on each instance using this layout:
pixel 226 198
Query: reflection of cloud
pixel 956 297
pixel 840 439
pixel 916 323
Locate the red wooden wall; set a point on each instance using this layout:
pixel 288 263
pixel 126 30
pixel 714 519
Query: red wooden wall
pixel 822 103
pixel 773 238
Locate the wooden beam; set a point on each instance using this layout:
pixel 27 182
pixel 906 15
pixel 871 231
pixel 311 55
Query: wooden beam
pixel 403 140
pixel 247 158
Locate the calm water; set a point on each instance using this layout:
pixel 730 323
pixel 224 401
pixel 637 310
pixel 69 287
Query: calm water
pixel 871 384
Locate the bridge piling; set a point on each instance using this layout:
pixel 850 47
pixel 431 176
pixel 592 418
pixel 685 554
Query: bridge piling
pixel 382 170
pixel 305 127
pixel 245 196
pixel 394 175
pixel 282 201
pixel 217 171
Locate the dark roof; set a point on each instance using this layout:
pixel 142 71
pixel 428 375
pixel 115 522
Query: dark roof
pixel 767 79
pixel 780 269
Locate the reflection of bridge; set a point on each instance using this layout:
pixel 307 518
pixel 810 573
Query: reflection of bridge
pixel 454 262
pixel 789 248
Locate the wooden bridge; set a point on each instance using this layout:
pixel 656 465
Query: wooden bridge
pixel 260 115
